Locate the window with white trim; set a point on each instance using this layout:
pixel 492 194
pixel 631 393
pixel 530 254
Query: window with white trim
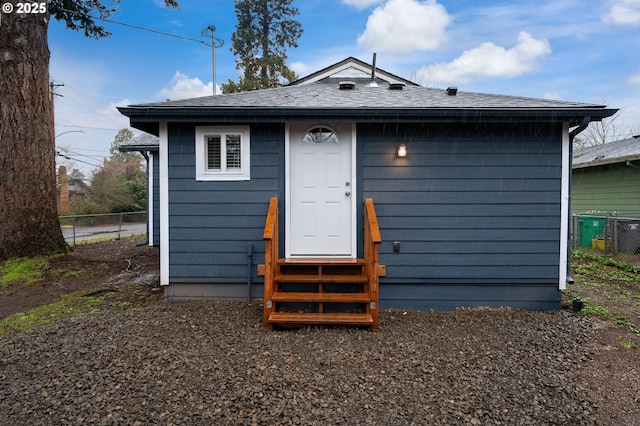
pixel 222 153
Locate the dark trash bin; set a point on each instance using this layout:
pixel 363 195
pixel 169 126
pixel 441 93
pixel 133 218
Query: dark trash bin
pixel 628 235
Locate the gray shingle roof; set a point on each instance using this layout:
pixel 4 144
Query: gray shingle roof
pixel 609 153
pixel 144 142
pixel 327 94
pixel 319 97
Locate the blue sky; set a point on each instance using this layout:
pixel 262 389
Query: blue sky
pixel 561 49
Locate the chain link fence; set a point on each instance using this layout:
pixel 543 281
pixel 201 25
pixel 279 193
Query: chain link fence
pixel 607 233
pixel 110 225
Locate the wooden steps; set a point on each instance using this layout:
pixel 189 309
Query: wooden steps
pixel 308 297
pixel 329 290
pixel 320 291
pixel 345 279
pixel 320 318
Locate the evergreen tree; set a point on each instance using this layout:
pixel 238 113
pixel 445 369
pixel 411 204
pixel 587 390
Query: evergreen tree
pixel 264 31
pixel 28 215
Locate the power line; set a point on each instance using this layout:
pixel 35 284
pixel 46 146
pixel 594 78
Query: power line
pixel 86 127
pixel 76 159
pixel 143 28
pixel 81 93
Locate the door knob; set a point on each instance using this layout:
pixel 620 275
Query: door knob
pixel 347 193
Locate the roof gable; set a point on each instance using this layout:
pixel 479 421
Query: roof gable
pixel 351 68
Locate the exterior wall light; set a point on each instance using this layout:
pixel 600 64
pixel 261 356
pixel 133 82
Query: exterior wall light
pixel 402 150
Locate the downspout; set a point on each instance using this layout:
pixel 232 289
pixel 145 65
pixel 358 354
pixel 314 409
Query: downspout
pixel 249 269
pixel 146 241
pixel 572 135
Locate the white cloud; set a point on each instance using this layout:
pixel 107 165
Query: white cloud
pixel 361 4
pixel 404 26
pixel 183 87
pixel 623 12
pixel 300 68
pixel 634 79
pixel 554 96
pixel 110 117
pixel 490 60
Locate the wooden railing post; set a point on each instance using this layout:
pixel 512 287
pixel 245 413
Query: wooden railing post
pixel 270 237
pixel 372 242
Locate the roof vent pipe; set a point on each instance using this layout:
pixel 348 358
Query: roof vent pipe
pixel 373 69
pixel 373 83
pixel 452 90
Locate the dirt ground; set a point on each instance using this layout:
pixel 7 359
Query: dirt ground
pixel 119 267
pixel 611 378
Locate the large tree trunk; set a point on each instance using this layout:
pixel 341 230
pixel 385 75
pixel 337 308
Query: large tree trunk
pixel 28 218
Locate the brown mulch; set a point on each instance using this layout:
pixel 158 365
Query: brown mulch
pixel 216 364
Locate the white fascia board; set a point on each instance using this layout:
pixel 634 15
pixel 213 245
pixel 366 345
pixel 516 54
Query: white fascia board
pixel 164 203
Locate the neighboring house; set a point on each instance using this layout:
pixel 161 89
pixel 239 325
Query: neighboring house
pixel 474 214
pixel 147 145
pixel 68 191
pixel 606 178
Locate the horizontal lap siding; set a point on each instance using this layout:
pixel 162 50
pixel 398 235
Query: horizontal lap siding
pixel 468 209
pixel 213 223
pixel 612 188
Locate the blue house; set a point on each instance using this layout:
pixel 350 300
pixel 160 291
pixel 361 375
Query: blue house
pixel 353 187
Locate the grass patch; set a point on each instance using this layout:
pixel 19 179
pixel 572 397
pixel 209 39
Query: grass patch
pixel 68 306
pixel 123 305
pixel 625 321
pixel 629 345
pixel 27 271
pixel 63 273
pixel 591 308
pixel 606 261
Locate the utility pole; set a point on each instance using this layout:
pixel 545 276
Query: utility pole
pixel 52 95
pixel 216 43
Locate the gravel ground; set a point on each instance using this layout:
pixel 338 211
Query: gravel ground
pixel 214 364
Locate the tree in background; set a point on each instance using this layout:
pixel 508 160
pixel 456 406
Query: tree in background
pixel 601 132
pixel 119 185
pixel 265 29
pixel 28 218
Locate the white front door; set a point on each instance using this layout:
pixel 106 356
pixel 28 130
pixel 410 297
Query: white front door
pixel 321 191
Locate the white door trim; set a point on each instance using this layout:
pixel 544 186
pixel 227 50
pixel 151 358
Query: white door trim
pixel 287 190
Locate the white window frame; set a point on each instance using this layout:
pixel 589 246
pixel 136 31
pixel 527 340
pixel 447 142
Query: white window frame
pixel 202 133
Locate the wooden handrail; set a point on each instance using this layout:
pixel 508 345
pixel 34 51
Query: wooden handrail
pixel 372 240
pixel 372 221
pixel 272 219
pixel 270 268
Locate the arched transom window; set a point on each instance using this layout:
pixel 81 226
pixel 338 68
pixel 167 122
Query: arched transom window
pixel 320 135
